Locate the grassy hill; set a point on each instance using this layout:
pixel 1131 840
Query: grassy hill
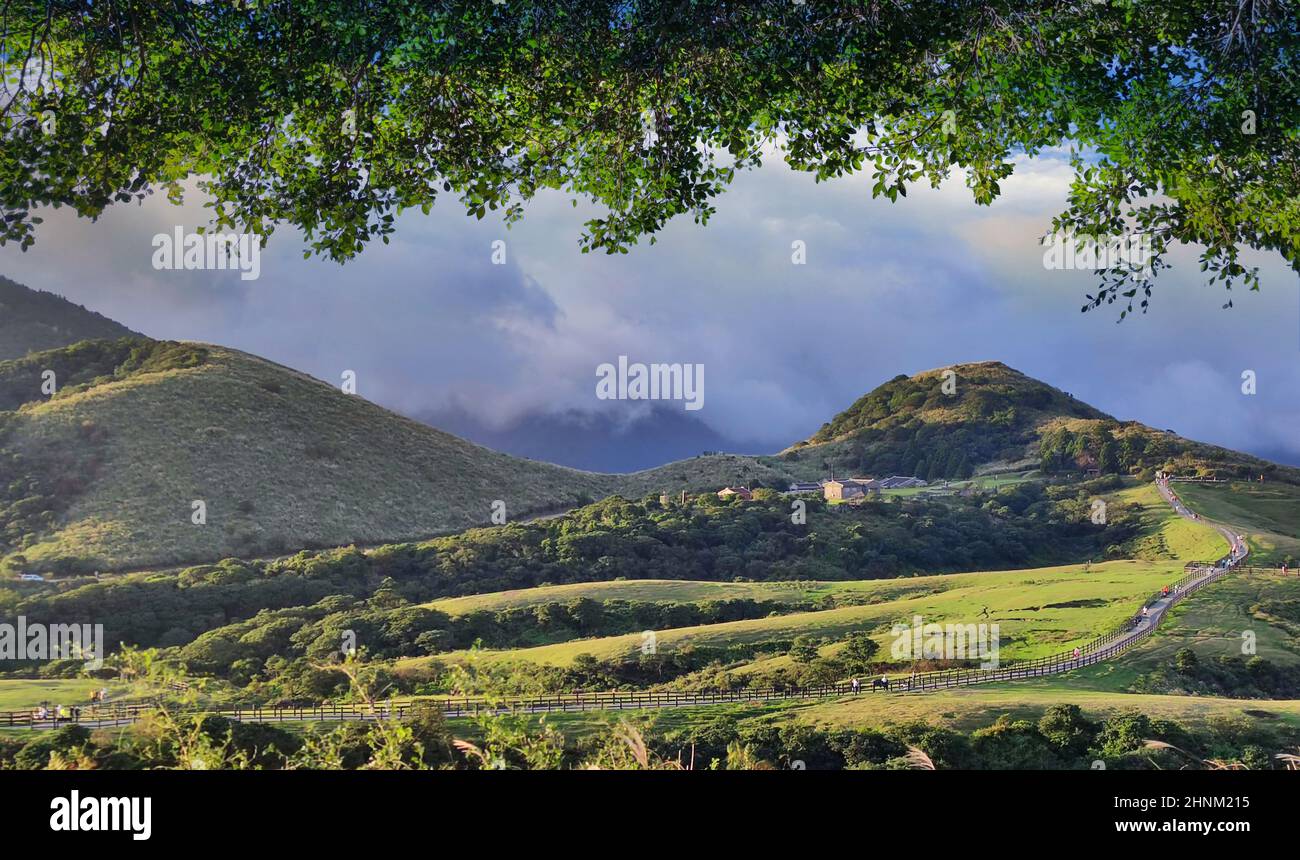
pixel 969 419
pixel 1267 514
pixel 986 391
pixel 105 473
pixel 33 321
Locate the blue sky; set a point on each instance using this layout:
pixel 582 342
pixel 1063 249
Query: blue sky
pixel 507 353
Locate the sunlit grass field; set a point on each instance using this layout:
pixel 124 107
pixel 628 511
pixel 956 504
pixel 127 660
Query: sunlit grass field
pixel 1039 611
pixel 1267 514
pixel 21 693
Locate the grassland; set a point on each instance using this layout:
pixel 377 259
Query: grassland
pixel 1212 622
pixel 965 709
pixel 1267 514
pixel 1039 611
pixel 684 591
pixel 973 707
pixel 21 693
pixel 33 320
pixel 1166 535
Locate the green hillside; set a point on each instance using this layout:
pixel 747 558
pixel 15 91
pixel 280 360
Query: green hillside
pixel 1041 612
pixel 33 320
pixel 970 419
pixel 983 392
pixel 1268 514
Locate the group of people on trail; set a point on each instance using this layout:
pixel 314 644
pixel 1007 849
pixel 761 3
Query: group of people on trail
pixel 879 683
pixel 58 713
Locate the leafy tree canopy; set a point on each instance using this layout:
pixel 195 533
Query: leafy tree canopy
pixel 1182 118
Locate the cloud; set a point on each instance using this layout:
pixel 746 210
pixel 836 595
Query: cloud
pixel 429 323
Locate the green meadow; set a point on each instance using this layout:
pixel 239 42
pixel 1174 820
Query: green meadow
pixel 1039 611
pixel 1267 514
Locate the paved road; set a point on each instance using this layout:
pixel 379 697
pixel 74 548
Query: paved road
pixel 1099 650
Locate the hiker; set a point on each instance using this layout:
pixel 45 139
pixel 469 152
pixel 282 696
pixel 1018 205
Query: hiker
pixel 855 686
pixel 1077 652
pixel 1165 591
pixel 1144 612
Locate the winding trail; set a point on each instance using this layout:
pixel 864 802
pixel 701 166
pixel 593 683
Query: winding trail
pixel 1104 647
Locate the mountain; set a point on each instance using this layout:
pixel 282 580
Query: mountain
pixel 968 418
pixel 602 442
pixel 33 320
pixel 107 473
pixel 985 412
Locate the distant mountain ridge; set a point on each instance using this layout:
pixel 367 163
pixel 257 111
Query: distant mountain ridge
pixel 599 442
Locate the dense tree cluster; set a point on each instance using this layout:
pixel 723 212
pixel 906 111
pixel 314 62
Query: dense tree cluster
pixel 1113 448
pixel 388 628
pixel 1227 675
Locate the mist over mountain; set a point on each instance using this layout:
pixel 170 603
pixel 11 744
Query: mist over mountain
pixel 601 442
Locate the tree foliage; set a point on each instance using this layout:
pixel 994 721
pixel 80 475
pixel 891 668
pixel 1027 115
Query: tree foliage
pixel 1181 118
